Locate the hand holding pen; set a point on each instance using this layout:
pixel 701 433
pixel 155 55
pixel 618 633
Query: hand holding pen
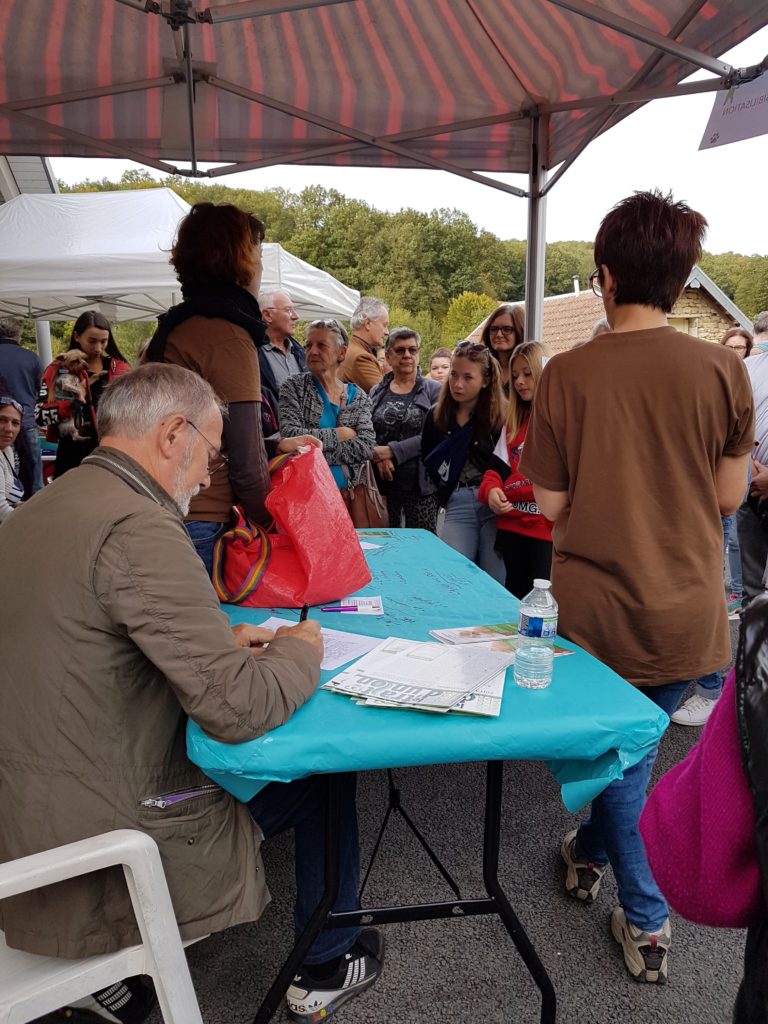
pixel 306 629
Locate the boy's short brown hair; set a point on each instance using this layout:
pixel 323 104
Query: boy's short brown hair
pixel 650 244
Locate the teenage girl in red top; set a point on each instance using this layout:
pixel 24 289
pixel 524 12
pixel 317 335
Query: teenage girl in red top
pixel 524 536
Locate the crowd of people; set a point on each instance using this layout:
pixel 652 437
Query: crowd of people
pixel 520 463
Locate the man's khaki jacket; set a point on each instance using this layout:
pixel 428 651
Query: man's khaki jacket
pixel 360 365
pixel 111 634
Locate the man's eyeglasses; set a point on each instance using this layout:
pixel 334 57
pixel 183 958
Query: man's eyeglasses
pixel 508 332
pixel 411 351
pixel 595 284
pixel 217 460
pixel 284 309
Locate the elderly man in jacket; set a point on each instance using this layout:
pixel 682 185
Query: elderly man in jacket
pixel 115 637
pixel 370 326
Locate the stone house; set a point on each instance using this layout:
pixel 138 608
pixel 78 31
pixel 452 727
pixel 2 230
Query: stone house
pixel 703 310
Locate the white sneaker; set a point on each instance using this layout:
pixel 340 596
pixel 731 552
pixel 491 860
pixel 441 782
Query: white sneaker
pixel 695 711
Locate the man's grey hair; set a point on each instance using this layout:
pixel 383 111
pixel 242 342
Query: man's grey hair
pixel 267 298
pixel 368 308
pixel 137 401
pixel 10 327
pixel 760 326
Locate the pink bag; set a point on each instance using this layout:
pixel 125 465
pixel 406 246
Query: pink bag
pixel 698 827
pixel 315 555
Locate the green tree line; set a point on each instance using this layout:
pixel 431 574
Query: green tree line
pixel 437 271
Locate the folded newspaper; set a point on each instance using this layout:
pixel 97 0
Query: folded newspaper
pixel 426 677
pixel 500 636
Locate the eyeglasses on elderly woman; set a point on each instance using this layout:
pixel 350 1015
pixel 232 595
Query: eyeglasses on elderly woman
pixel 329 325
pixel 326 325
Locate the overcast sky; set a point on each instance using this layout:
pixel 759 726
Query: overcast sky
pixel 655 146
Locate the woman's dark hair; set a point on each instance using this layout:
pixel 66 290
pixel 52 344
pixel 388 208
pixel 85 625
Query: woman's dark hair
pixel 517 311
pixel 21 444
pixel 216 245
pixel 650 244
pixel 491 404
pixel 739 332
pixel 93 319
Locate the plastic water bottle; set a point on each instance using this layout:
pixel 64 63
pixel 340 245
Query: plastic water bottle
pixel 533 666
pixel 537 629
pixel 538 615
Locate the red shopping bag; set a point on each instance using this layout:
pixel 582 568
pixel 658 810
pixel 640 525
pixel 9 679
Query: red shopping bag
pixel 314 556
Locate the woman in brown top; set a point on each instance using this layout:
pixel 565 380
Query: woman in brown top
pixel 216 331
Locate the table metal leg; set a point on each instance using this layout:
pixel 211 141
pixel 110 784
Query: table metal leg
pixel 496 903
pixel 491 841
pixel 318 919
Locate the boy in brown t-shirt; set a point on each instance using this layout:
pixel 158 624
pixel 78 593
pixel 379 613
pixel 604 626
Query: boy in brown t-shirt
pixel 639 441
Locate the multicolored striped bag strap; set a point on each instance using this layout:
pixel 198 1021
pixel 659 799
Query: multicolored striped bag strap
pixel 248 532
pixel 278 461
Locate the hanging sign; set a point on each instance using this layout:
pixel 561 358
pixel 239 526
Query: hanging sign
pixel 739 113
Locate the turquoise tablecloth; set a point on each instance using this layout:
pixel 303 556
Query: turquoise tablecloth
pixel 588 725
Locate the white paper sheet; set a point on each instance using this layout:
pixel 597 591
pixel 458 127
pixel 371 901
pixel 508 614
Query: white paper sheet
pixel 421 675
pixel 340 647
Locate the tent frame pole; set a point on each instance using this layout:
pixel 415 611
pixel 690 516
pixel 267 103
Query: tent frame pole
pixel 356 135
pixel 537 220
pixel 643 34
pixel 190 98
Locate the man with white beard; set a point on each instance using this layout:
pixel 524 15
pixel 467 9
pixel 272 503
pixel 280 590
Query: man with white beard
pixel 111 636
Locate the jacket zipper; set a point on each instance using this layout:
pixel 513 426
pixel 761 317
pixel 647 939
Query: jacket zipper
pixel 169 799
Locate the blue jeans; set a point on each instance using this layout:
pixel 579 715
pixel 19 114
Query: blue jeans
pixel 300 805
pixel 710 686
pixel 33 439
pixel 204 536
pixel 610 835
pixel 470 528
pixel 733 553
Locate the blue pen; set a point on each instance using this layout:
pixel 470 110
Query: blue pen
pixel 341 608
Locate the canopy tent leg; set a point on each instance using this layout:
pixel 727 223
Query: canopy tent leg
pixel 43 338
pixel 537 224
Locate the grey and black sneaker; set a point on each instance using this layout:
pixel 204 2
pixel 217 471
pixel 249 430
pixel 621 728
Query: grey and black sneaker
pixel 582 877
pixel 645 953
pixel 312 999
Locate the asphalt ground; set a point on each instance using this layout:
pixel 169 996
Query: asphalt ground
pixel 468 968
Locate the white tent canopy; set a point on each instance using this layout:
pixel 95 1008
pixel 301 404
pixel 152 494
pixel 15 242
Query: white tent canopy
pixel 63 254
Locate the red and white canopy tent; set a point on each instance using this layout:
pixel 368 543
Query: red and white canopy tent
pixel 467 86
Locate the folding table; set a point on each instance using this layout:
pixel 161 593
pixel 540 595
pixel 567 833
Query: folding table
pixel 589 725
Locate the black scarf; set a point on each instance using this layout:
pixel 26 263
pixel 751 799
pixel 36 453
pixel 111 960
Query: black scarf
pixel 217 302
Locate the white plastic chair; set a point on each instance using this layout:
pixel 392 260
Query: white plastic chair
pixel 31 985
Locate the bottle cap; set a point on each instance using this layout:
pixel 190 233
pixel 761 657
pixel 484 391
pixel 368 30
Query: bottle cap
pixel 542 584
